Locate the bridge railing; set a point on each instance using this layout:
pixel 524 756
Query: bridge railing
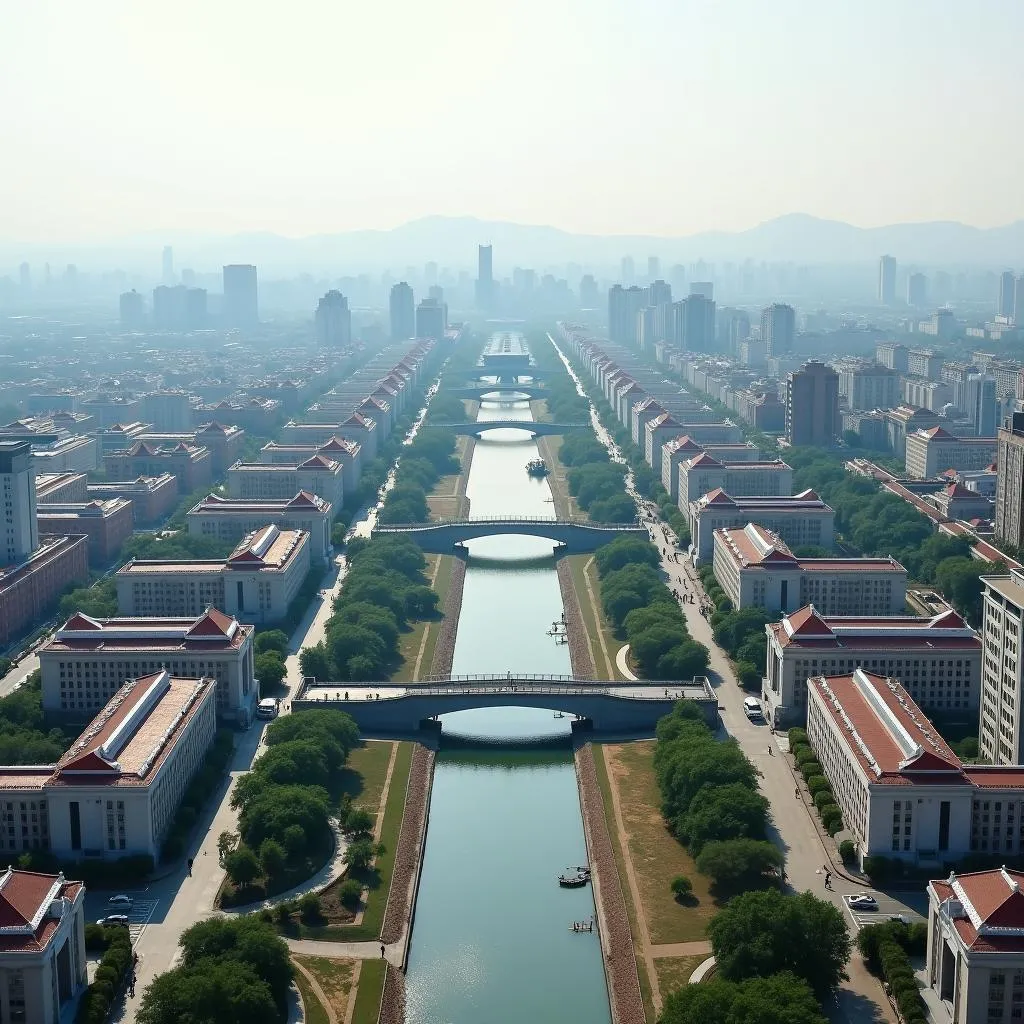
pixel 497 520
pixel 658 693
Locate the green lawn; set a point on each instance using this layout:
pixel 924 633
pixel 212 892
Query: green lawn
pixel 314 1009
pixel 409 643
pixel 369 992
pixel 363 776
pixel 334 978
pixel 593 618
pixel 674 972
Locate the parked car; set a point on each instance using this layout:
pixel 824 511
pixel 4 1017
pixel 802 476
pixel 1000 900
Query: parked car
pixel 861 901
pixel 114 920
pixel 120 901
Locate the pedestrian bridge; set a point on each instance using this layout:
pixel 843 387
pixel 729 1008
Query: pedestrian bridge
pixel 478 427
pixel 571 536
pixel 387 709
pixel 521 390
pixel 483 374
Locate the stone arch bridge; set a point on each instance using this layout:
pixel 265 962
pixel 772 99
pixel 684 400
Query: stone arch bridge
pixel 478 427
pixel 521 390
pixel 386 709
pixel 571 536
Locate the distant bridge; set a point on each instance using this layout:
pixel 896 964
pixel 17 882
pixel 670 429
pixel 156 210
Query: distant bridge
pixel 506 376
pixel 478 427
pixel 607 706
pixel 529 390
pixel 571 535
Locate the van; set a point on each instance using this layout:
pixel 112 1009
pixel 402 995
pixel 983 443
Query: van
pixel 752 709
pixel 267 708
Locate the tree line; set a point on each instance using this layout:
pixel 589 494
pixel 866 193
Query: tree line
pixel 430 456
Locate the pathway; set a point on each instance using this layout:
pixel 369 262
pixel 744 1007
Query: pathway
pixel 595 609
pixel 317 991
pixel 622 660
pixel 701 947
pixel 394 952
pixel 428 627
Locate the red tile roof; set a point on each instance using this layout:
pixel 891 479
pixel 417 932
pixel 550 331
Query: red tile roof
pixel 25 898
pixel 986 908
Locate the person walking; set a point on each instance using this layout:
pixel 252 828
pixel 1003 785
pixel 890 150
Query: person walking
pixel 382 951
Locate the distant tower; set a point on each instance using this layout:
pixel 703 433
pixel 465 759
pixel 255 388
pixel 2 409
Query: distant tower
pixel 25 277
pixel 627 270
pixel 168 265
pixel 778 328
pixel 589 297
pixel 917 291
pixel 333 321
pixel 19 530
pixel 403 312
pixel 812 406
pixel 430 318
pixel 887 280
pixel 1007 286
pixel 133 310
pixel 241 303
pixel 653 268
pixel 484 278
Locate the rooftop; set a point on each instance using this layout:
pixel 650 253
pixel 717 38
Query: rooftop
pixel 213 630
pixel 31 907
pixel 755 546
pixel 808 628
pixel 986 908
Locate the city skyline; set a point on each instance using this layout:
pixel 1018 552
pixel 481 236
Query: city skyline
pixel 234 140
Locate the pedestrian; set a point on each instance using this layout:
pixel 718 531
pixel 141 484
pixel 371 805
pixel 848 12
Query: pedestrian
pixel 382 951
pixel 796 792
pixel 771 752
pixel 190 867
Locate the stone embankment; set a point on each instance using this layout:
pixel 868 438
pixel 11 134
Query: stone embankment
pixel 392 1003
pixel 576 628
pixel 444 649
pixel 411 837
pixel 627 1004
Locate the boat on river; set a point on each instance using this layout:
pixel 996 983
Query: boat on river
pixel 576 881
pixel 537 467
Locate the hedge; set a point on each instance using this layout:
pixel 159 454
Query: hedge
pixel 94 1007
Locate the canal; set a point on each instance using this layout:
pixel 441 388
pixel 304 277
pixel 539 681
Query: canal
pixel 492 940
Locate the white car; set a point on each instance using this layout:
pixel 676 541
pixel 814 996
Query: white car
pixel 120 901
pixel 861 901
pixel 114 920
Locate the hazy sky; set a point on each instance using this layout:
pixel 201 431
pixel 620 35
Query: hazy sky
pixel 642 116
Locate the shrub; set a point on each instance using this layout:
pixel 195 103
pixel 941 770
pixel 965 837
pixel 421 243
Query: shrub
pixel 796 736
pixel 802 752
pixel 811 768
pixel 824 798
pixel 309 908
pixel 682 887
pixel 847 851
pixel 95 938
pixel 818 784
pixel 283 913
pixel 350 893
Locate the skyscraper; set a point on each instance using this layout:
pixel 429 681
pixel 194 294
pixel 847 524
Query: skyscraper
pixel 705 288
pixel 133 310
pixel 1007 291
pixel 980 403
pixel 624 304
pixel 887 280
pixel 653 268
pixel 659 293
pixel 778 328
pixel 1010 483
pixel 241 304
pixel 402 306
pixel 430 319
pixel 167 264
pixel 694 323
pixel 917 291
pixel 25 277
pixel 484 278
pixel 333 321
pixel 19 535
pixel 627 270
pixel 812 406
pixel 589 297
pixel 1018 302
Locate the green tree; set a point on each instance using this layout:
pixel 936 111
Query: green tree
pixel 242 865
pixel 272 640
pixel 350 894
pixel 763 933
pixel 733 863
pixel 733 811
pixel 270 669
pixel 682 887
pixel 779 999
pixel 360 854
pixel 684 661
pixel 648 647
pixel 359 821
pixel 216 990
pixel 623 551
pixel 316 662
pixel 272 857
pixel 271 812
pixel 329 722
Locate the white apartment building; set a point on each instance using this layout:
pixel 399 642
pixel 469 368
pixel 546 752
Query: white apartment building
pixel 702 474
pixel 975 960
pixel 933 451
pixel 665 427
pixel 1000 733
pixel 938 660
pixel 756 569
pixel 800 520
pixel 681 449
pixel 230 519
pixel 340 449
pixel 115 792
pixel 88 660
pixel 19 532
pixel 42 945
pixel 318 474
pixel 256 582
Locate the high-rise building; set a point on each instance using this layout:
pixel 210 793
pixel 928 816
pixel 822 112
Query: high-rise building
pixel 20 534
pixel 179 308
pixel 241 302
pixel 402 306
pixel 1010 483
pixel 980 403
pixel 624 305
pixel 1000 734
pixel 694 323
pixel 25 277
pixel 653 268
pixel 167 265
pixel 778 328
pixel 887 280
pixel 589 296
pixel 430 316
pixel 917 290
pixel 1018 302
pixel 659 293
pixel 1007 293
pixel 705 288
pixel 333 321
pixel 812 406
pixel 627 270
pixel 484 278
pixel 133 310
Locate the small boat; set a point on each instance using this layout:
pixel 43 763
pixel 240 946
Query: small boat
pixel 537 467
pixel 558 714
pixel 582 926
pixel 576 881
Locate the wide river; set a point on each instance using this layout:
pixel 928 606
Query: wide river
pixel 492 940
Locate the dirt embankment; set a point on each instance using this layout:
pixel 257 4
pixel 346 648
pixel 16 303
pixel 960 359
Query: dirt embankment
pixel 627 1004
pixel 397 914
pixel 576 628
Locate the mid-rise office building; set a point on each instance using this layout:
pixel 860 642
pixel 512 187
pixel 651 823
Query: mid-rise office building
pixel 132 310
pixel 869 386
pixel 893 356
pixel 257 581
pixel 167 411
pixel 933 451
pixel 624 306
pixel 241 296
pixel 812 406
pixel 1000 733
pixel 925 362
pixel 190 464
pixel 702 474
pixel 318 474
pixel 107 523
pixel 59 488
pixel 938 660
pixel 887 280
pixel 1010 483
pixel 153 498
pixel 402 309
pixel 431 317
pixel 756 569
pixel 682 449
pixel 917 290
pixel 333 321
pixel 778 328
pixel 87 660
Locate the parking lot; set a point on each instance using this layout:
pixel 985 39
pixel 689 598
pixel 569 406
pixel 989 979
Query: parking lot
pixel 139 914
pixel 887 906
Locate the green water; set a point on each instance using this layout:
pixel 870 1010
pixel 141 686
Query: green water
pixel 492 940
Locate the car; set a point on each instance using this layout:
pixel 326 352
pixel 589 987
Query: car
pixel 120 901
pixel 114 921
pixel 861 901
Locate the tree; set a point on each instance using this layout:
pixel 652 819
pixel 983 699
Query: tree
pixel 229 992
pixel 660 614
pixel 766 932
pixel 779 999
pixel 272 857
pixel 226 842
pixel 270 669
pixel 736 862
pixel 316 662
pixel 684 661
pixel 298 762
pixel 749 675
pixel 696 760
pixel 242 865
pixel 623 551
pixel 270 813
pixel 348 641
pixel 360 853
pixel 333 723
pixel 682 887
pixel 272 640
pixel 723 812
pixel 350 893
pixel 294 840
pixel 359 821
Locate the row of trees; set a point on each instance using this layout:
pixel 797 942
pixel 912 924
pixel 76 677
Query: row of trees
pixel 887 948
pixel 284 802
pixel 24 739
pixel 232 970
pixel 386 588
pixel 643 611
pixel 115 965
pixel 430 457
pixel 817 783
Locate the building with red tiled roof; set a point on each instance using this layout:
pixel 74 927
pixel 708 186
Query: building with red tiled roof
pixel 955 501
pixel 902 791
pixel 315 472
pixel 114 793
pixel 702 474
pixel 975 962
pixel 679 449
pixel 756 569
pixel 340 449
pixel 192 465
pixel 87 660
pixel 938 660
pixel 42 944
pixel 933 450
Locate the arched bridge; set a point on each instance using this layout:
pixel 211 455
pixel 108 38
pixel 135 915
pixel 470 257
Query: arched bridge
pixel 529 390
pixel 387 709
pixel 572 536
pixel 483 374
pixel 478 427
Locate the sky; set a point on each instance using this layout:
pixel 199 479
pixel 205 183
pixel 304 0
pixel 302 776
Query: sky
pixel 662 117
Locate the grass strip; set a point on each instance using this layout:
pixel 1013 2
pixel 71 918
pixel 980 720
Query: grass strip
pixel 369 992
pixel 314 1011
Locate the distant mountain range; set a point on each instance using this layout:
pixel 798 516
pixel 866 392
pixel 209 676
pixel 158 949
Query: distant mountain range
pixel 452 241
